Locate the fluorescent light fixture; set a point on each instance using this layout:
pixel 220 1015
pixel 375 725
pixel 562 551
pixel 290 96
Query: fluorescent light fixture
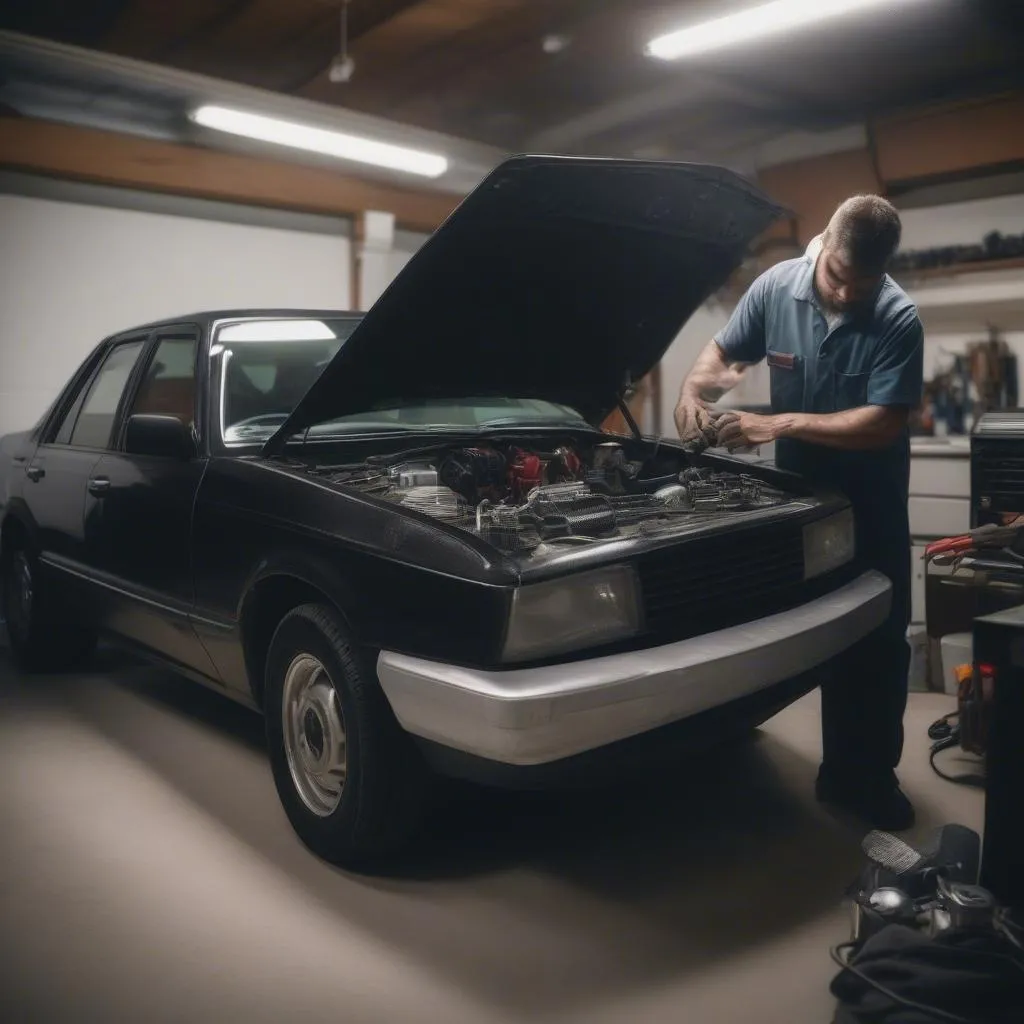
pixel 320 140
pixel 753 23
pixel 277 330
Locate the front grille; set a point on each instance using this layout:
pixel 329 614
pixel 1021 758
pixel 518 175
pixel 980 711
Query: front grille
pixel 720 581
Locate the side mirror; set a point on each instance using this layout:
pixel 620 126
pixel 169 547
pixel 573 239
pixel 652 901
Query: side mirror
pixel 164 436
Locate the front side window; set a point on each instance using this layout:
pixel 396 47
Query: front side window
pixel 95 421
pixel 169 386
pixel 268 366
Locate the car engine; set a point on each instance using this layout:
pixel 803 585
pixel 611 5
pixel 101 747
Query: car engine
pixel 521 499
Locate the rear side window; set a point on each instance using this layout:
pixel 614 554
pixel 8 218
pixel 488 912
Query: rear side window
pixel 95 421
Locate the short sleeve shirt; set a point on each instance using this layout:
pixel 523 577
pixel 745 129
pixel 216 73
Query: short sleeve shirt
pixel 873 358
pixel 821 364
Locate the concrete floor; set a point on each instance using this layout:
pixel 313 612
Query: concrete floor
pixel 150 875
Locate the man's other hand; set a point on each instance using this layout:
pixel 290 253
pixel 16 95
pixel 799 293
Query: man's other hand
pixel 746 430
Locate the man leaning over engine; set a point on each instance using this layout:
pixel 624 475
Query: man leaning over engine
pixel 843 343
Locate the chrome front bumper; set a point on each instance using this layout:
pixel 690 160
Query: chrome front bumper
pixel 538 715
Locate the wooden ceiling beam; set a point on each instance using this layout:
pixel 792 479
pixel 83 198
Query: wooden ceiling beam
pixel 308 53
pixel 514 75
pixel 143 29
pixel 202 30
pixel 123 161
pixel 434 42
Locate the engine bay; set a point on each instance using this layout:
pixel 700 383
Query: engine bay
pixel 522 498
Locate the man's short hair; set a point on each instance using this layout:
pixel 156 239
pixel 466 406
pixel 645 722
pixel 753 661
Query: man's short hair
pixel 865 232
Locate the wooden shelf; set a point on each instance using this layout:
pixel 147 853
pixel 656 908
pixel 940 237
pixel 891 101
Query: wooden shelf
pixel 912 277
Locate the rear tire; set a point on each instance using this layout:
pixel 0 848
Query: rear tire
pixel 40 626
pixel 351 781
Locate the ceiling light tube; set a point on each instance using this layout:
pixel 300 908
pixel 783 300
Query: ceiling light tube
pixel 753 23
pixel 320 140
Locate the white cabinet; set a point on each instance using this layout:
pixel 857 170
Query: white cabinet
pixel 940 488
pixel 931 518
pixel 939 504
pixel 931 476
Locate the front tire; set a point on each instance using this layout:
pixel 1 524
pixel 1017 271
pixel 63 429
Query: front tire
pixel 40 626
pixel 350 779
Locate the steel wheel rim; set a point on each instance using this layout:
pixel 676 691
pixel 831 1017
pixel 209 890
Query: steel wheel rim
pixel 20 595
pixel 315 743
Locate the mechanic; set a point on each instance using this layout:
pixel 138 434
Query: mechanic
pixel 843 343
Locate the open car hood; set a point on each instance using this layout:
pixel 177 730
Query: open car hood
pixel 557 278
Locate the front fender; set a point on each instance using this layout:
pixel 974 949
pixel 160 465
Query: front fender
pixel 302 567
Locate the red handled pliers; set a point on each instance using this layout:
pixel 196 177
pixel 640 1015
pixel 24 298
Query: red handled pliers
pixel 988 536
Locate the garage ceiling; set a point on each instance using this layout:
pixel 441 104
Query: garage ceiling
pixel 562 75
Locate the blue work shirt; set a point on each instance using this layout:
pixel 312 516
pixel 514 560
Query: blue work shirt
pixel 872 357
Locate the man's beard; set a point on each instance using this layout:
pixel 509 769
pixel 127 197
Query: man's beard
pixel 840 308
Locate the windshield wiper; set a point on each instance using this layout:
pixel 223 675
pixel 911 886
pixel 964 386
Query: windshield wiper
pixel 327 431
pixel 315 434
pixel 511 421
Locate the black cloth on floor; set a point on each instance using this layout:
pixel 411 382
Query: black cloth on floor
pixel 975 975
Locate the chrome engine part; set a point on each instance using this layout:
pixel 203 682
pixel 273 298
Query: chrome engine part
pixel 554 512
pixel 408 475
pixel 674 496
pixel 439 502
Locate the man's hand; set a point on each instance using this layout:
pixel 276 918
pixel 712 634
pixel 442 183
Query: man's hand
pixel 746 430
pixel 862 429
pixel 711 377
pixel 691 416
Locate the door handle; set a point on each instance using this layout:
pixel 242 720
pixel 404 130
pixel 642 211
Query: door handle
pixel 99 486
pixel 35 473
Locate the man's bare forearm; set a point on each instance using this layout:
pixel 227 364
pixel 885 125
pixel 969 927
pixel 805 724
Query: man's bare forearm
pixel 861 429
pixel 711 377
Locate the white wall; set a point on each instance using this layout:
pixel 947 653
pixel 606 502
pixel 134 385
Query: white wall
pixel 961 223
pixel 72 273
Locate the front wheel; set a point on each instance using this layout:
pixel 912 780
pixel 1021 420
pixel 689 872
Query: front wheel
pixel 41 626
pixel 352 782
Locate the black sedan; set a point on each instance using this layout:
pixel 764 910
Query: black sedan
pixel 403 536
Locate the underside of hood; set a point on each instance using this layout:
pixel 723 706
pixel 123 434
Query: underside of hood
pixel 558 278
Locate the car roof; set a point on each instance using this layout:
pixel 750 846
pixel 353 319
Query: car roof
pixel 207 317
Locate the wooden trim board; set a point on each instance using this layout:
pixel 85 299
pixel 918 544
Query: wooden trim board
pixel 125 161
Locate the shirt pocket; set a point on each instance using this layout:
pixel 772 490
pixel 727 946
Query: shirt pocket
pixel 787 381
pixel 851 390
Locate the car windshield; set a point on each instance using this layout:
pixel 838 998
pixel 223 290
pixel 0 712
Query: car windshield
pixel 269 365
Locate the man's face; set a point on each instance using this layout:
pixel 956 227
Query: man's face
pixel 842 287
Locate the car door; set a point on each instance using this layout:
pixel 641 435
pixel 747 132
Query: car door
pixel 138 513
pixel 57 474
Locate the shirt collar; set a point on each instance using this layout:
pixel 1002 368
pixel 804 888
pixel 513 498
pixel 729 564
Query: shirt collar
pixel 804 287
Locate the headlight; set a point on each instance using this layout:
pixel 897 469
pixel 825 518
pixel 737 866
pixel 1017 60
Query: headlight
pixel 828 544
pixel 577 611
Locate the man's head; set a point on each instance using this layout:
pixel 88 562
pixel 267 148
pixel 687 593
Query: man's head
pixel 856 248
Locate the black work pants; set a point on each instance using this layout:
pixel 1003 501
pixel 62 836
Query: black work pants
pixel 864 691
